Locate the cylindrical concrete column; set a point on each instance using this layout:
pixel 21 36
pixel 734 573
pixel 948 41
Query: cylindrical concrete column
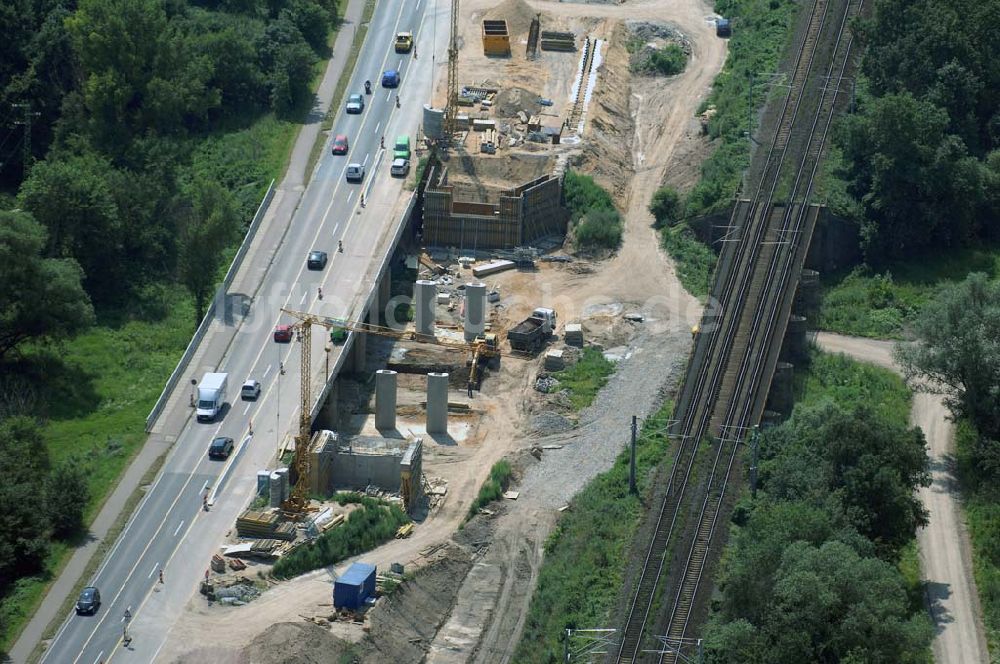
pixel 437 403
pixel 781 397
pixel 796 344
pixel 475 309
pixel 385 400
pixel 425 294
pixel 807 295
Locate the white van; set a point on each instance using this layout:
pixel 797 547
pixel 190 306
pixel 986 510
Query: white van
pixel 400 167
pixel 355 172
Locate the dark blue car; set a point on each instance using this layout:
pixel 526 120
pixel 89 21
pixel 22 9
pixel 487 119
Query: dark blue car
pixel 390 78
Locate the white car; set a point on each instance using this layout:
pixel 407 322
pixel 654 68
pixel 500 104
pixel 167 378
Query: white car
pixel 250 390
pixel 355 104
pixel 400 167
pixel 355 173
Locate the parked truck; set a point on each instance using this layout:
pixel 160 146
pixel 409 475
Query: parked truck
pixel 211 395
pixel 529 335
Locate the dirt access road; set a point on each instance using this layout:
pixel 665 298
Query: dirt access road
pixel 945 553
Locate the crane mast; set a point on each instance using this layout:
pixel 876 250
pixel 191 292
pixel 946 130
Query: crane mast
pixel 451 106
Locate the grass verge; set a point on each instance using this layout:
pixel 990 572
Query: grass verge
pixel 851 383
pixel 982 512
pixel 694 260
pixel 368 526
pixel 493 487
pixel 865 303
pixel 345 78
pixel 586 554
pixel 585 378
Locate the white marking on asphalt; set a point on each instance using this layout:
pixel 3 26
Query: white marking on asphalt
pixel 335 227
pixel 247 408
pixel 400 65
pixel 350 195
pixel 101 655
pixel 365 162
pixel 378 126
pixel 388 96
pixel 153 571
pixel 268 370
pixel 303 298
pixel 179 526
pixel 204 486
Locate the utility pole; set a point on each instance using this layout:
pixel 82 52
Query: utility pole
pixel 26 123
pixel 754 439
pixel 631 467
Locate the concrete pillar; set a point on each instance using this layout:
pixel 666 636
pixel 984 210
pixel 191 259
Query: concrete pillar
pixel 425 296
pixel 475 310
pixel 781 396
pixel 385 400
pixel 795 347
pixel 807 295
pixel 358 349
pixel 383 297
pixel 437 403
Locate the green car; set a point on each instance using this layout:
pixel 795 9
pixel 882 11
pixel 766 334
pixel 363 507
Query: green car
pixel 401 148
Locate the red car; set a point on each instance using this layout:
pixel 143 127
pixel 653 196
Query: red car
pixel 340 144
pixel 283 333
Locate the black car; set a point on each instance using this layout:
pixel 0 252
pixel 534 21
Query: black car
pixel 220 448
pixel 316 260
pixel 89 602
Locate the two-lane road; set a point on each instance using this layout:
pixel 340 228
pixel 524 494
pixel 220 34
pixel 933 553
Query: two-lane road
pixel 170 531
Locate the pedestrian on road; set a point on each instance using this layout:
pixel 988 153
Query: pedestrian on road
pixel 397 101
pixel 381 142
pixel 470 389
pixel 321 292
pixel 161 576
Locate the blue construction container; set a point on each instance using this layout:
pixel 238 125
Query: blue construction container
pixel 354 586
pixel 723 28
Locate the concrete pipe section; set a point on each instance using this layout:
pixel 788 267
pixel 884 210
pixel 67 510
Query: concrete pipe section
pixel 475 310
pixel 437 403
pixel 425 294
pixel 385 400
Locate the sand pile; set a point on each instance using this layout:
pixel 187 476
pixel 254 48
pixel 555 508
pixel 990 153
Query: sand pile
pixel 518 15
pixel 294 643
pixel 511 100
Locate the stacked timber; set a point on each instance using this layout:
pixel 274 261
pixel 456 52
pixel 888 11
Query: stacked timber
pixel 257 524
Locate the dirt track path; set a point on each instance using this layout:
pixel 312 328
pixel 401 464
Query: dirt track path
pixel 945 558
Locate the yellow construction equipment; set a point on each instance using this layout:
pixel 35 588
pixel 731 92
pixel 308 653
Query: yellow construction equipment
pixel 451 106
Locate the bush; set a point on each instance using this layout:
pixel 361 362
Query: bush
pixel 366 527
pixel 668 60
pixel 493 488
pixel 586 378
pixel 584 195
pixel 666 207
pixel 695 261
pixel 598 229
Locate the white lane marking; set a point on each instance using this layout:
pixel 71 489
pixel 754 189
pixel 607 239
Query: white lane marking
pixel 268 370
pixel 303 298
pixel 399 67
pixel 378 126
pixel 365 162
pixel 153 571
pixel 247 408
pixel 336 227
pixel 101 655
pixel 179 526
pixel 350 195
pixel 203 487
pixel 388 96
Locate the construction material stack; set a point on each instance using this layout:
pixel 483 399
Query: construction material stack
pixel 558 41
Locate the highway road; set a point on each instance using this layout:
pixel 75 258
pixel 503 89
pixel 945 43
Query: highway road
pixel 169 531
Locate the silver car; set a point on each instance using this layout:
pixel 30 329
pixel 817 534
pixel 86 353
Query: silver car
pixel 355 173
pixel 355 104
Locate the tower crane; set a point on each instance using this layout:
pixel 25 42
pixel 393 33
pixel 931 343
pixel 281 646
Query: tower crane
pixel 451 106
pixel 483 348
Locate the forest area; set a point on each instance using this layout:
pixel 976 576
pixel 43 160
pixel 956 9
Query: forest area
pixel 136 140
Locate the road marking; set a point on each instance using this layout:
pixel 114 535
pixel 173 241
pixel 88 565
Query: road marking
pixel 378 126
pixel 365 162
pixel 303 298
pixel 336 226
pixel 204 486
pixel 179 526
pixel 101 655
pixel 350 195
pixel 388 96
pixel 399 67
pixel 245 410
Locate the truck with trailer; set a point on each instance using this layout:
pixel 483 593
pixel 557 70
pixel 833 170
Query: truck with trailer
pixel 211 395
pixel 530 334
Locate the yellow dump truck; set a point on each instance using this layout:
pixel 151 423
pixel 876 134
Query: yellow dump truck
pixel 404 42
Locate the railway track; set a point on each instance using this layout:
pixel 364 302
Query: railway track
pixel 736 352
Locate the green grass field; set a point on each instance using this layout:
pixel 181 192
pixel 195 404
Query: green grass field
pixel 585 378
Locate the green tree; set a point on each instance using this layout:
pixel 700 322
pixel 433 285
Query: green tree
pixel 40 298
pixel 956 351
pixel 208 224
pixel 867 467
pixel 666 207
pixel 66 495
pixel 598 229
pixel 73 198
pixel 24 527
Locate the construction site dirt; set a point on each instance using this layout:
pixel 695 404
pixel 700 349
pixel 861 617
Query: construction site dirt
pixel 469 583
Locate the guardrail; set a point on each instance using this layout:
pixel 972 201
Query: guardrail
pixel 203 326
